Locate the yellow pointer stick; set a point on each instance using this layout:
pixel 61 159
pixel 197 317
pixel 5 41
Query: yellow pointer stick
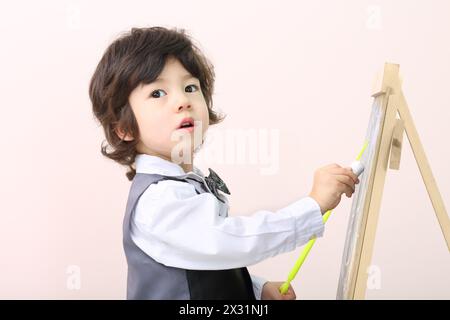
pixel 284 288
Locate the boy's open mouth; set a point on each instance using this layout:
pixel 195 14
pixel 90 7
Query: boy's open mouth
pixel 186 123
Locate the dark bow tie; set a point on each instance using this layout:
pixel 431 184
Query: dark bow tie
pixel 215 183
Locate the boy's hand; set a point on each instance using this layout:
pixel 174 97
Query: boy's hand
pixel 330 182
pixel 271 291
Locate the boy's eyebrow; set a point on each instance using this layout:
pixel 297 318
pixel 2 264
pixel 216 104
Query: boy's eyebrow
pixel 186 76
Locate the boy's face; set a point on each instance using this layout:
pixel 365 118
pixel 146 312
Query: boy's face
pixel 159 108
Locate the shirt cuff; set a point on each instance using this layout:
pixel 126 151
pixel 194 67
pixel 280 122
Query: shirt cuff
pixel 308 220
pixel 258 284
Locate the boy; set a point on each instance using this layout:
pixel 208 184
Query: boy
pixel 152 88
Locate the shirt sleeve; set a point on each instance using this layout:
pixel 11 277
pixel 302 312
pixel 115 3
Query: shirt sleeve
pixel 258 284
pixel 180 228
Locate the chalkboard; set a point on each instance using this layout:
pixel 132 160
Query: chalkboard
pixel 360 197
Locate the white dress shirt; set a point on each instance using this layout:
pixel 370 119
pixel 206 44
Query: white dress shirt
pixel 180 228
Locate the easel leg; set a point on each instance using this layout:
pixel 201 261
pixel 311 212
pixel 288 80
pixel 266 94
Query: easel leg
pixel 424 167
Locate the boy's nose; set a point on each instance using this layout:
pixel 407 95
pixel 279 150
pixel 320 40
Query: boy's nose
pixel 184 106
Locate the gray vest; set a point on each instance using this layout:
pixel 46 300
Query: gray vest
pixel 149 279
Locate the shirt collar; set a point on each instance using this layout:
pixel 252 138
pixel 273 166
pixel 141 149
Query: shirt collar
pixel 155 165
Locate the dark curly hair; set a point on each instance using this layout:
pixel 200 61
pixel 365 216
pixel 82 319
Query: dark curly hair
pixel 138 57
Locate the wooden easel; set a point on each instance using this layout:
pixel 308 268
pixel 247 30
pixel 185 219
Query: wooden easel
pixel 388 149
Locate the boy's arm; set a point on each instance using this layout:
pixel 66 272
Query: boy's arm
pixel 180 228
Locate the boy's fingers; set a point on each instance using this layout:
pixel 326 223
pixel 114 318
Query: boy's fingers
pixel 345 171
pixel 346 189
pixel 348 182
pixel 287 296
pixel 352 175
pixel 333 165
pixel 291 292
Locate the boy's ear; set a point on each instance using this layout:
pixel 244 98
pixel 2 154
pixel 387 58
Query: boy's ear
pixel 122 135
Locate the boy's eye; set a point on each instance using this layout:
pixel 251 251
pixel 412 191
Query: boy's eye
pixel 196 88
pixel 154 94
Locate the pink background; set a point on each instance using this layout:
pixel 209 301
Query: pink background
pixel 301 67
